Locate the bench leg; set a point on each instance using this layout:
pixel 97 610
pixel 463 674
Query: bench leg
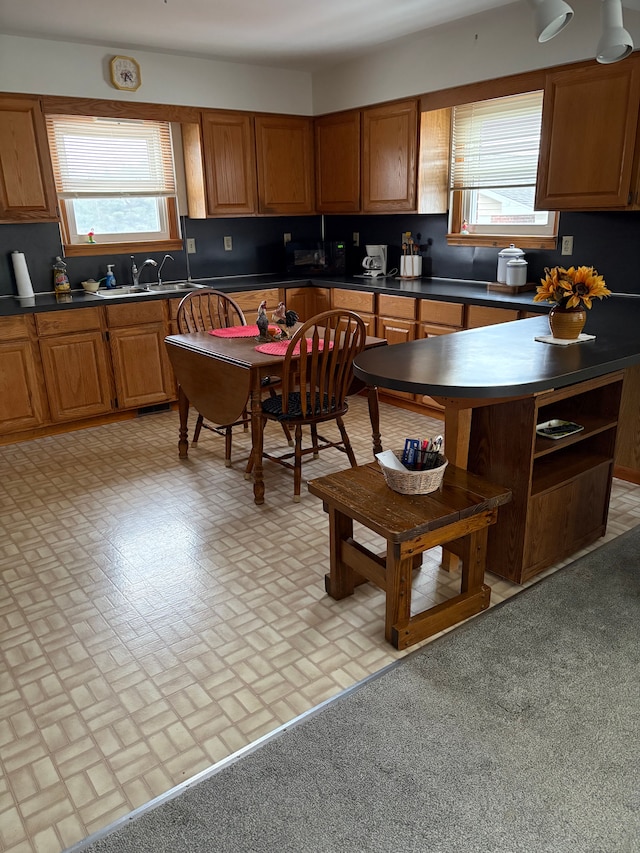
pixel 340 582
pixel 399 574
pixel 474 597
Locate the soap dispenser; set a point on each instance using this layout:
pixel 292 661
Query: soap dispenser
pixel 110 280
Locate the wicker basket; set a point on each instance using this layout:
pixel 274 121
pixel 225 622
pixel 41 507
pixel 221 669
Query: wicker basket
pixel 415 482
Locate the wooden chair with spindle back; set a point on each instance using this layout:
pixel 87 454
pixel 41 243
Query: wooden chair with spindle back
pixel 317 373
pixel 203 310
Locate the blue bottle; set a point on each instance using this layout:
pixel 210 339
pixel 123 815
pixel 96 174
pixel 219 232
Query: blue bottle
pixel 110 279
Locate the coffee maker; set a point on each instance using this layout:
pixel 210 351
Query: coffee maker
pixel 375 262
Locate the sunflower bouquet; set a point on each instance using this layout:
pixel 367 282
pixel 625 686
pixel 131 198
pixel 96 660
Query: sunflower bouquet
pixel 571 288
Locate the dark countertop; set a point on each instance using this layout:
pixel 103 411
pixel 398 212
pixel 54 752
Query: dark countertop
pixel 505 360
pixel 447 290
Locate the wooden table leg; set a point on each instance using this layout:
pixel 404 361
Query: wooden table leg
pixel 374 417
pixel 256 446
pixel 183 409
pixel 340 582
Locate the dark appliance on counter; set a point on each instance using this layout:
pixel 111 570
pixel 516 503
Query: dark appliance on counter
pixel 316 257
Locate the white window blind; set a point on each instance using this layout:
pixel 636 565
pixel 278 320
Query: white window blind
pixel 495 143
pixel 104 157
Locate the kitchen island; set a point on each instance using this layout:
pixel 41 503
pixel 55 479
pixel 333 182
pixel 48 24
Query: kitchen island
pixel 497 384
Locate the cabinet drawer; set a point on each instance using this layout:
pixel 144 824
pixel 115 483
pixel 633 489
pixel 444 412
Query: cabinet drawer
pixel 481 315
pixel 397 306
pixel 16 328
pixel 443 313
pixel 353 300
pixel 136 313
pixel 249 300
pixel 76 320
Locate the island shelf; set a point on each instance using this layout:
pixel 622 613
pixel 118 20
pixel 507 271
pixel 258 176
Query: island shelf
pixel 560 487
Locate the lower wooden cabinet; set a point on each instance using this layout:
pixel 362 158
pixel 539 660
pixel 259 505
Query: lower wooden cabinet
pixel 22 394
pixel 249 301
pixel 397 324
pixel 142 372
pixel 483 315
pixel 360 301
pixel 307 301
pixel 437 318
pixel 75 362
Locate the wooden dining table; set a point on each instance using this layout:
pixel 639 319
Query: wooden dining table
pixel 220 376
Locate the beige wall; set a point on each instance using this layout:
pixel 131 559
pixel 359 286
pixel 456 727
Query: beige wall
pixel 493 44
pixel 44 67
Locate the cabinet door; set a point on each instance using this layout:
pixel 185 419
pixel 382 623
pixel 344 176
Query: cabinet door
pixel 389 157
pixel 27 191
pixel 143 374
pixel 589 123
pixel 284 148
pixel 230 163
pixel 338 163
pixel 77 376
pixel 21 396
pixel 396 332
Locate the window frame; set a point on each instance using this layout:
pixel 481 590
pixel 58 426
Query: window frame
pixel 58 105
pixel 486 237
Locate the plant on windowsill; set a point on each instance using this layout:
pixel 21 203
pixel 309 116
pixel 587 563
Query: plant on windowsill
pixel 571 291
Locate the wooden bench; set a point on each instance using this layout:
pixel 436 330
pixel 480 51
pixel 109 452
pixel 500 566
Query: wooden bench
pixel 458 515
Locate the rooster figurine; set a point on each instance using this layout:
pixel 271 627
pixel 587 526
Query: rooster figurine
pixel 279 315
pixel 290 319
pixel 262 321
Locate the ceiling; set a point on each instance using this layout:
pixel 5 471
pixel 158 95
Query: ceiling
pixel 303 34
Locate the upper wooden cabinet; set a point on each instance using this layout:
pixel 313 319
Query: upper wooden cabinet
pixel 338 163
pixel 589 122
pixel 284 152
pixel 389 157
pixel 27 190
pixel 230 174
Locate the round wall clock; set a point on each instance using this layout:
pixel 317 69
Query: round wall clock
pixel 125 73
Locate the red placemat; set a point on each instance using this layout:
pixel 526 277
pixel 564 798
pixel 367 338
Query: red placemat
pixel 280 347
pixel 236 332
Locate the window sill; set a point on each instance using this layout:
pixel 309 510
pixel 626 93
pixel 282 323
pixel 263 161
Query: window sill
pixel 87 249
pixel 500 242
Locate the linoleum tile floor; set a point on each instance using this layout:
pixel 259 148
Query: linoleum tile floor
pixel 154 621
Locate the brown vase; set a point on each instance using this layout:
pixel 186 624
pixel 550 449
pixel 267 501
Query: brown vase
pixel 567 323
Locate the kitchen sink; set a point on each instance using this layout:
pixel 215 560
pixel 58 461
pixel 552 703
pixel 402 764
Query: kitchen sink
pixel 154 290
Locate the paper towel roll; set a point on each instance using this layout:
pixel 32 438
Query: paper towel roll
pixel 23 281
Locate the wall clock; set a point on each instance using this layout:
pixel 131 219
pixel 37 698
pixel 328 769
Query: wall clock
pixel 125 73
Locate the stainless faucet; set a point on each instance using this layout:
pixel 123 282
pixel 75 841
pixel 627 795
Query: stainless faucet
pixel 160 268
pixel 135 272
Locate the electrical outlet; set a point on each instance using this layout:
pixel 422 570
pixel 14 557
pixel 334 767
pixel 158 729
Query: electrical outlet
pixel 191 246
pixel 567 245
pixel 356 238
pixel 287 239
pixel 228 244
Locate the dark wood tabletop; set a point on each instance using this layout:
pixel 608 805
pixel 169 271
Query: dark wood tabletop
pixel 505 360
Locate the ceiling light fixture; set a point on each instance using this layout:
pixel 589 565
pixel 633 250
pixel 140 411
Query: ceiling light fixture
pixel 615 42
pixel 551 17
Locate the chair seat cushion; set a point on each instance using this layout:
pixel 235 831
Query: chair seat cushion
pixel 272 406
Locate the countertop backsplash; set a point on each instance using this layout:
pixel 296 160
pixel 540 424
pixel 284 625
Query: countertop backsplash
pixel 606 240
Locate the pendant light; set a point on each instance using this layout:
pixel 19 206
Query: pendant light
pixel 615 42
pixel 551 16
